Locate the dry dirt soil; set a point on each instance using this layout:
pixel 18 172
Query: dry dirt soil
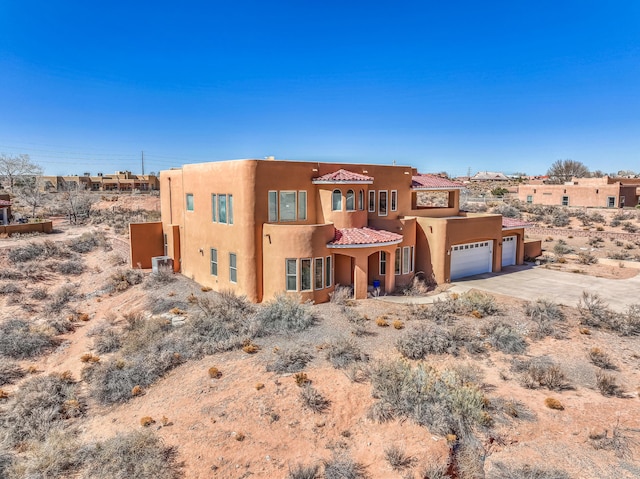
pixel 249 422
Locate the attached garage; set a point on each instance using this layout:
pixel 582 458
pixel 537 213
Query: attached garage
pixel 509 244
pixel 471 258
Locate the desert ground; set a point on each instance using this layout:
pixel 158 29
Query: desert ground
pixel 108 371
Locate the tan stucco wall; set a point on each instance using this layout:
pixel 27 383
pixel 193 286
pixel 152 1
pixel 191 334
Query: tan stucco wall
pixel 532 248
pixel 40 227
pixel 146 242
pixel 591 195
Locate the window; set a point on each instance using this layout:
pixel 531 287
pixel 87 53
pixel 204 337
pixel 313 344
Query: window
pixel 398 260
pixel 351 200
pixel 214 208
pixel 189 202
pixel 529 198
pixel 336 200
pixel 413 259
pixel 611 201
pixel 305 274
pixel 287 206
pixel 372 201
pixel 327 272
pixel 394 200
pixel 233 268
pixel 383 263
pixel 230 214
pixel 222 208
pixel 565 201
pixel 319 273
pixel 291 274
pixel 361 200
pixel 214 262
pixel 406 260
pixel 302 205
pixel 382 203
pixel 273 206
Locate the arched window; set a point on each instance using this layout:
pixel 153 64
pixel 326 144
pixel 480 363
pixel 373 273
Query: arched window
pixel 351 200
pixel 336 200
pixel 361 200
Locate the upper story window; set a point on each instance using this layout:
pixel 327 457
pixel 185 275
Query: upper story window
pixel 189 201
pixel 372 201
pixel 214 210
pixel 287 206
pixel 351 200
pixel 222 208
pixel 382 203
pixel 361 200
pixel 394 200
pixel 336 200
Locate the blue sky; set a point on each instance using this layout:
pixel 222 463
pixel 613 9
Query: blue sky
pixel 506 86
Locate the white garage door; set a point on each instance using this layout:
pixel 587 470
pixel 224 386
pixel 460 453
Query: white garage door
pixel 509 250
pixel 471 258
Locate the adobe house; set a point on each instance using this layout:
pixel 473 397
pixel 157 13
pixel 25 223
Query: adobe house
pixel 260 227
pixel 605 192
pixel 5 209
pixel 119 181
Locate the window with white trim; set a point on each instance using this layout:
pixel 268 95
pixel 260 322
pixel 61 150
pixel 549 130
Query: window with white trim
pixel 382 203
pixel 318 273
pixel 328 272
pixel 222 208
pixel 230 209
pixel 351 200
pixel 406 260
pixel 372 201
pixel 288 205
pixel 273 206
pixel 233 268
pixel 305 274
pixel 383 263
pixel 291 274
pixel 398 260
pixel 394 200
pixel 214 207
pixel 189 201
pixel 302 205
pixel 214 262
pixel 361 200
pixel 336 200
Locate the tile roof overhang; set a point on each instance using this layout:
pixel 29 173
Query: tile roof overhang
pixel 512 224
pixel 363 238
pixel 342 176
pixel 433 182
pixel 5 203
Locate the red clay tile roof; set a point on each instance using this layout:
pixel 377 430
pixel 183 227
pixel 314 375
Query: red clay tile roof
pixel 514 223
pixel 361 237
pixel 343 176
pixel 433 182
pixel 5 203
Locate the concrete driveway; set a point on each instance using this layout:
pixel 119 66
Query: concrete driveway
pixel 530 283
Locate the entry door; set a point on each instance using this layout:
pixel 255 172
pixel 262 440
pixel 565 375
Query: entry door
pixel 471 258
pixel 509 250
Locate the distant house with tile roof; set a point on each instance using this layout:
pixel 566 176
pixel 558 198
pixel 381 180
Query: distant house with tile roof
pixel 262 227
pixel 489 176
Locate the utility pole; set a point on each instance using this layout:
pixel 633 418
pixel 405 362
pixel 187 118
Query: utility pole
pixel 142 160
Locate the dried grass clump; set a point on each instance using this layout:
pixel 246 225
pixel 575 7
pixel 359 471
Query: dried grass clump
pixel 397 458
pixel 140 454
pixel 214 373
pixel 147 421
pixel 504 471
pixel 546 315
pixel 345 351
pixel 483 303
pixel 285 314
pixel 540 372
pixel 601 359
pixel 342 295
pixel 300 471
pixel 89 358
pixel 312 399
pixel 342 466
pixel 398 324
pixel 136 391
pixel 504 337
pixel 249 347
pixel 20 340
pixel 301 379
pixel 122 279
pixel 607 384
pixel 418 287
pixel 10 371
pixel 553 403
pixel 290 360
pixel 37 408
pixel 382 322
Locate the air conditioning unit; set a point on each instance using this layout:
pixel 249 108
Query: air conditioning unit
pixel 161 263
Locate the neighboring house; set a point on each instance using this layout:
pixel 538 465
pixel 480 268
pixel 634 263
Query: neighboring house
pixel 605 192
pixel 489 176
pixel 5 209
pixel 260 227
pixel 119 181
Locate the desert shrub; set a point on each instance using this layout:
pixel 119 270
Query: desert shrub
pixel 397 458
pixel 61 325
pixel 424 340
pixel 60 298
pixel 162 304
pixel 586 258
pixel 594 311
pixel 107 341
pixel 39 293
pixel 41 404
pixel 10 371
pixel 553 403
pixel 483 303
pixel 87 242
pixel 285 313
pixel 122 279
pixel 595 242
pixel 343 351
pixel 562 248
pixel 40 251
pixel 434 471
pixel 418 287
pixel 342 466
pixel 439 400
pixel 300 471
pixel 441 311
pixel 507 211
pixel 312 399
pixel 545 314
pixel 600 358
pixel 504 471
pixel 607 384
pixel 596 217
pixel 290 360
pixel 504 337
pixel 163 276
pixel 70 267
pixel 629 227
pixel 12 274
pixel 140 454
pixel 9 288
pixel 559 218
pixel 18 340
pixel 617 441
pixel 540 372
pixel 341 295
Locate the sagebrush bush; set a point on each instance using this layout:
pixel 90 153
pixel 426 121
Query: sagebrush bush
pixel 607 384
pixel 18 340
pixel 61 325
pixel 344 351
pixel 38 251
pixel 10 288
pixel 139 454
pixel 595 312
pixel 441 311
pixel 483 303
pixel 341 295
pixel 10 371
pixel 163 276
pixel 504 337
pixel 342 466
pixel 501 470
pixel 397 458
pixel 285 313
pixel 87 242
pixel 70 267
pixel 107 341
pixel 301 471
pixel 60 298
pixel 601 359
pixel 540 372
pixel 546 315
pixel 40 405
pixel 290 360
pixel 439 400
pixel 424 340
pixel 122 279
pixel 312 399
pixel 562 248
pixel 39 293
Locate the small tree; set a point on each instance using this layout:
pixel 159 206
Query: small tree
pixel 13 167
pixel 31 191
pixel 562 171
pixel 76 201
